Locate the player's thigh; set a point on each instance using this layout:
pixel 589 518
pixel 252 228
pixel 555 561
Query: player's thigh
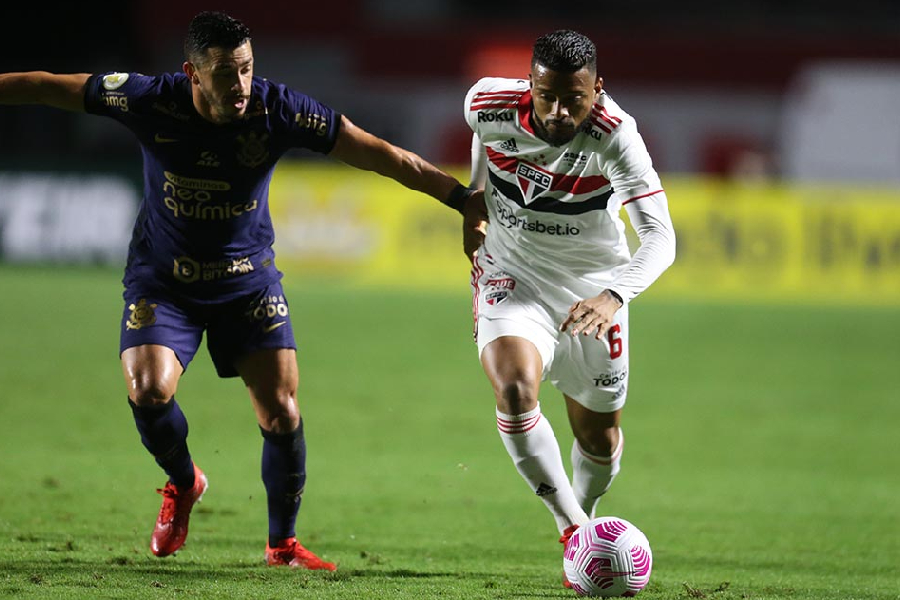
pixel 515 346
pixel 594 372
pixel 158 339
pixel 505 305
pixel 514 367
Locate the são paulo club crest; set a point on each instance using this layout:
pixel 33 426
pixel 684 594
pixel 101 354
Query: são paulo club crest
pixel 497 287
pixel 532 181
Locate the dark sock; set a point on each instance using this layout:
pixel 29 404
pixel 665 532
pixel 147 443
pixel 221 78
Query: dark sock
pixel 164 431
pixel 284 475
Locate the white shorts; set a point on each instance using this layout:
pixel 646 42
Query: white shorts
pixel 590 371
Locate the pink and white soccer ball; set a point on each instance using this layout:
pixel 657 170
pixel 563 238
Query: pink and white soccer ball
pixel 608 556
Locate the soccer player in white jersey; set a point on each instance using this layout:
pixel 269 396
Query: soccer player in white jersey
pixel 558 159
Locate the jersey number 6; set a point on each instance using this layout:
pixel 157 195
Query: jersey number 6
pixel 615 342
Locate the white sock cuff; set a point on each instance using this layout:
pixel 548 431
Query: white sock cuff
pixel 512 424
pixel 604 460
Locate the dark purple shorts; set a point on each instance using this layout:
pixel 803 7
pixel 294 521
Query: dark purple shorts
pixel 234 329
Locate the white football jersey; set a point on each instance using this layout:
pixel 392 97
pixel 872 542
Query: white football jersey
pixel 554 211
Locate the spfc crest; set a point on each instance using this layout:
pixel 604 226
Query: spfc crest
pixel 498 287
pixel 532 181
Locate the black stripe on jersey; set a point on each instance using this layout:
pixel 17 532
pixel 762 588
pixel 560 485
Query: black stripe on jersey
pixel 550 205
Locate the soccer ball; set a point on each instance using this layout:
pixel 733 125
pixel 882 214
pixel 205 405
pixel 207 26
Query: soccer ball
pixel 608 556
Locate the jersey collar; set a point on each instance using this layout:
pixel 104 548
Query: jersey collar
pixel 525 110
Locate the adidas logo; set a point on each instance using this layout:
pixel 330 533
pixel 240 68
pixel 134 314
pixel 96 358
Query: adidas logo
pixel 545 490
pixel 509 145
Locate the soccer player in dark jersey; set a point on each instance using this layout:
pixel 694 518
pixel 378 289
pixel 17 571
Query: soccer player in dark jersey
pixel 201 256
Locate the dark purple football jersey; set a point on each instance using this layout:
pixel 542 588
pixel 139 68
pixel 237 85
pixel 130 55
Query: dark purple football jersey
pixel 203 230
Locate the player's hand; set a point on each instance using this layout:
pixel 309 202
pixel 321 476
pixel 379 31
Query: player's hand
pixel 475 221
pixel 592 314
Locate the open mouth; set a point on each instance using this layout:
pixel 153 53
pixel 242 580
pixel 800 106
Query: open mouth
pixel 239 102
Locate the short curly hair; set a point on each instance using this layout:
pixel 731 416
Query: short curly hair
pixel 211 29
pixel 565 51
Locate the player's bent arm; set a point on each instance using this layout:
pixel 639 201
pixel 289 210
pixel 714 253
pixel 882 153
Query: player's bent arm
pixel 650 218
pixel 479 163
pixel 39 87
pixel 359 148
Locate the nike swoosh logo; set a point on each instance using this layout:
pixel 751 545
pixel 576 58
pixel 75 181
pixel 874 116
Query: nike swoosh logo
pixel 163 140
pixel 273 326
pixel 600 573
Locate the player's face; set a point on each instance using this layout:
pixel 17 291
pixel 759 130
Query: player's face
pixel 222 82
pixel 562 101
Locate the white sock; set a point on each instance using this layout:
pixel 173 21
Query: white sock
pixel 531 443
pixel 592 475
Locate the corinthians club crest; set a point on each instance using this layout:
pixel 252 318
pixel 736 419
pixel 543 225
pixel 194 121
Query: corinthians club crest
pixel 142 314
pixel 252 151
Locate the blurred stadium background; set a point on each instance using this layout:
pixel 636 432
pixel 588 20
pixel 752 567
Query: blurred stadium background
pixel 774 127
pixel 773 124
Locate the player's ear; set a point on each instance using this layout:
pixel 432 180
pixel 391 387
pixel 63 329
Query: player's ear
pixel 191 71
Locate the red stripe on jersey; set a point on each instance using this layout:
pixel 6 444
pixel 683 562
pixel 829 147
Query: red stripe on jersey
pixel 600 112
pixel 609 117
pixel 525 112
pixel 502 162
pixel 578 185
pixel 490 105
pixel 507 94
pixel 501 99
pixel 600 125
pixel 574 184
pixel 477 272
pixel 639 197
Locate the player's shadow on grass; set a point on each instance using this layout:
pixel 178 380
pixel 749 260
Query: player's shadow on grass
pixel 400 573
pixel 75 572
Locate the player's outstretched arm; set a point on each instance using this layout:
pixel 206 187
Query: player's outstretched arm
pixel 359 148
pixel 40 87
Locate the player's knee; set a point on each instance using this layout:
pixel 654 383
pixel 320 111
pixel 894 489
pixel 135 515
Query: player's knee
pixel 517 396
pixel 280 413
pixel 150 392
pixel 600 441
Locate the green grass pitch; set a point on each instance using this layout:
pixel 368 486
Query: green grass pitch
pixel 761 456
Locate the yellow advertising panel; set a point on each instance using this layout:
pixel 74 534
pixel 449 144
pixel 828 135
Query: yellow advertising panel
pixel 785 243
pixel 337 221
pixel 735 242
